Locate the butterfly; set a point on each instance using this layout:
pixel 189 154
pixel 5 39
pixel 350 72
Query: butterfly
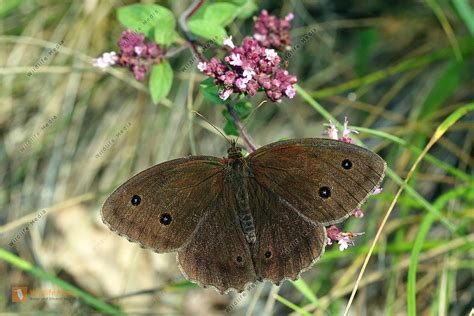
pixel 240 219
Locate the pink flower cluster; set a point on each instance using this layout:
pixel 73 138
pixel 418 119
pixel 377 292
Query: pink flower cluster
pixel 343 239
pixel 135 54
pixel 248 68
pixel 333 132
pixel 272 32
pixel 334 234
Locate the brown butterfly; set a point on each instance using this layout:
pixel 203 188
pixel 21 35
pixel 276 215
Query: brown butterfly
pixel 237 220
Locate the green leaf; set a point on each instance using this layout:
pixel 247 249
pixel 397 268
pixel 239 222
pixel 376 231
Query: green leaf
pixel 161 79
pixel 199 14
pixel 165 33
pixel 230 128
pixel 208 30
pixel 243 108
pixel 210 91
pixel 246 8
pixel 9 6
pixel 143 18
pixel 222 13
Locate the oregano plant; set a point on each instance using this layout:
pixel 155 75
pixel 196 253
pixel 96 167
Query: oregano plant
pixel 236 70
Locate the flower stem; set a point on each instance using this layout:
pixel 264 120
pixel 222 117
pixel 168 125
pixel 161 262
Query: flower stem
pixel 189 12
pixel 248 143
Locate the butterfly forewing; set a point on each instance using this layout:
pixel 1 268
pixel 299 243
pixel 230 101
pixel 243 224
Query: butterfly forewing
pixel 161 207
pixel 323 180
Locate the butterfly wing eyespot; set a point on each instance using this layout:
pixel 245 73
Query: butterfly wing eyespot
pixel 136 199
pixel 145 207
pixel 346 164
pixel 324 192
pixel 165 219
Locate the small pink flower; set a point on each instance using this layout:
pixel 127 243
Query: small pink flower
pixel 106 60
pixel 138 50
pixel 259 37
pixel 228 42
pixel 235 60
pixel 376 190
pixel 344 243
pixel 343 239
pixel 345 133
pixel 271 54
pixel 202 66
pixel 332 131
pixel 358 213
pixel 328 241
pixel 248 74
pixel 290 92
pixel 272 32
pixel 333 232
pixel 241 83
pixel 224 94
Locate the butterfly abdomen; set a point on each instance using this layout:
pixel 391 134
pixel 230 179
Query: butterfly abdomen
pixel 239 177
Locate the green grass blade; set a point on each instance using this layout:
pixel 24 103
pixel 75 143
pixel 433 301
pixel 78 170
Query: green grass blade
pixel 419 243
pixel 445 86
pixel 41 274
pixel 453 118
pixel 294 307
pixel 466 46
pixel 443 20
pixel 304 289
pixel 440 164
pixel 314 104
pixel 466 13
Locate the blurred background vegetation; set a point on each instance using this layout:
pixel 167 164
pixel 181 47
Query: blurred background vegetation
pixel 71 133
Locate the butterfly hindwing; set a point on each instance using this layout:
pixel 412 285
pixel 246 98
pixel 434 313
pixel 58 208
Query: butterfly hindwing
pixel 286 243
pixel 218 255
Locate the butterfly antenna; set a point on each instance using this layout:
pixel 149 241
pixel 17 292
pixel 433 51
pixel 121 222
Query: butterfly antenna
pixel 215 127
pixel 247 120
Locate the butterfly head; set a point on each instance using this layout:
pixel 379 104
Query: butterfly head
pixel 234 151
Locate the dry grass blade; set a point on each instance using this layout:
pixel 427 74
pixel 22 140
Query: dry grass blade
pixel 442 128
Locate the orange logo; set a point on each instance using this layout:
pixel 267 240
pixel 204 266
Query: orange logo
pixel 19 294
